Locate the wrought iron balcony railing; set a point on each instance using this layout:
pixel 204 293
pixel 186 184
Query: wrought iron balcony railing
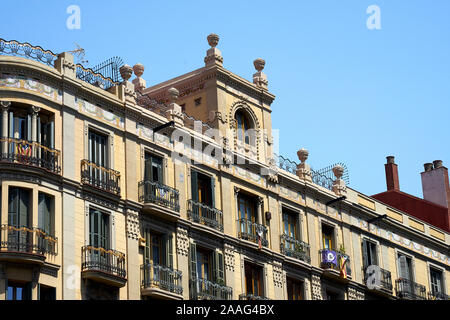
pixel 26 50
pixel 30 153
pixel 155 275
pixel 407 289
pixel 437 296
pixel 202 289
pixel 335 260
pixel 23 239
pixel 160 194
pixel 385 280
pixel 100 177
pixel 292 247
pixel 111 262
pixel 201 213
pixel 250 296
pixel 252 231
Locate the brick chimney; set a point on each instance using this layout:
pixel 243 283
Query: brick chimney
pixel 391 174
pixel 435 184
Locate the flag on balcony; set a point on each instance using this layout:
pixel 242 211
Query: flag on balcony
pixel 342 261
pixel 259 233
pixel 329 256
pixel 24 149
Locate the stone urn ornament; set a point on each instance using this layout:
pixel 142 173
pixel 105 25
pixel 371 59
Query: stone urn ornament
pixel 126 72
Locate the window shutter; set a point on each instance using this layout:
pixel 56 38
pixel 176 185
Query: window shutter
pixel 23 207
pixel 13 206
pixel 213 203
pixel 169 252
pixel 194 185
pixel 364 252
pixel 164 251
pixel 38 130
pixel 403 268
pixel 219 269
pixel 193 253
pixel 51 132
pixel 28 127
pixel 373 254
pixel 11 125
pixel 147 247
pixel 148 169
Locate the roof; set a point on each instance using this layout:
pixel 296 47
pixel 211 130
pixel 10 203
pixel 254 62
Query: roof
pixel 424 210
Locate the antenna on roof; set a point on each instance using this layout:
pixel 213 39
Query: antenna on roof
pixel 79 53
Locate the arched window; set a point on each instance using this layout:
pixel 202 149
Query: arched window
pixel 243 125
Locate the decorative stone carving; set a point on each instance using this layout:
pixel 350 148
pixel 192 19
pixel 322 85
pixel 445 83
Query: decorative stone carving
pixel 272 175
pixel 355 294
pixel 339 187
pixel 260 78
pixel 139 83
pixel 213 55
pixel 35 110
pixel 182 241
pixel 132 225
pixel 303 169
pixel 126 72
pixel 5 104
pixel 236 190
pixel 316 287
pixel 278 274
pixel 174 113
pixel 229 257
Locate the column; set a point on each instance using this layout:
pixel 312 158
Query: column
pixel 260 207
pixel 34 114
pixel 132 258
pixel 183 259
pixel 4 105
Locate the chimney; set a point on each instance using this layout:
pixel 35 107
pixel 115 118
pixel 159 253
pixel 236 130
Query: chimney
pixel 391 174
pixel 435 184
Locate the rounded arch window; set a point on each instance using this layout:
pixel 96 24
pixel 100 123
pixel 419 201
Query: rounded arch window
pixel 243 126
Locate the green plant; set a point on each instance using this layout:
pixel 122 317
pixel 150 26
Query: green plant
pixel 341 248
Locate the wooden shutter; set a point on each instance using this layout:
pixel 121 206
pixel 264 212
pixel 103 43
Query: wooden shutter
pixel 403 267
pixel 24 207
pixel 38 130
pixel 28 127
pixel 364 253
pixel 193 264
pixel 147 247
pixel 51 132
pixel 373 253
pixel 194 185
pixel 148 168
pixel 13 207
pixel 11 124
pixel 213 203
pixel 169 248
pixel 218 268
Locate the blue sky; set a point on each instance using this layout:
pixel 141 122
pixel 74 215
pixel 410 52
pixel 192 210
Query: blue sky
pixel 344 92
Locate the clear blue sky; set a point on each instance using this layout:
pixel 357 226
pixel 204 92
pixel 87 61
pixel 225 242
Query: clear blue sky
pixel 344 92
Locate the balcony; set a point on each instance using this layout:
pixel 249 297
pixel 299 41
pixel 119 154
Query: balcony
pixel 26 245
pixel 202 289
pixel 100 178
pixel 385 280
pixel 161 282
pixel 106 266
pixel 407 289
pixel 203 214
pixel 31 154
pixel 437 296
pixel 294 248
pixel 250 296
pixel 155 195
pixel 336 262
pixel 252 231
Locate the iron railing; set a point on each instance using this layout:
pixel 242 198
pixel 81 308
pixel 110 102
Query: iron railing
pixel 23 239
pixel 407 289
pixel 111 262
pixel 252 231
pixel 250 296
pixel 94 78
pixel 201 213
pixel 330 259
pixel 15 48
pixel 202 289
pixel 30 153
pixel 100 177
pixel 160 194
pixel 155 275
pixel 292 247
pixel 384 278
pixel 437 296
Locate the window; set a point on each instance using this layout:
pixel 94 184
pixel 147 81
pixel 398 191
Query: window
pixel 247 208
pixel 405 267
pixel 98 149
pixel 331 295
pixel 290 224
pixel 46 293
pixel 19 207
pixel 327 237
pixel 18 291
pixel 369 253
pixel 46 131
pixel 294 289
pixel 206 264
pixel 437 283
pixel 158 248
pixel 45 214
pixel 242 126
pixel 253 280
pixel 99 233
pixel 153 168
pixel 198 101
pixel 202 187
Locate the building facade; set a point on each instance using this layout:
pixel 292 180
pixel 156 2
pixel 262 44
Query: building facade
pixel 115 190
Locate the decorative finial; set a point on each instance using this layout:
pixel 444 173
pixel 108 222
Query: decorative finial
pixel 338 187
pixel 138 69
pixel 213 40
pixel 173 94
pixel 338 171
pixel 259 64
pixel 302 155
pixel 303 169
pixel 126 72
